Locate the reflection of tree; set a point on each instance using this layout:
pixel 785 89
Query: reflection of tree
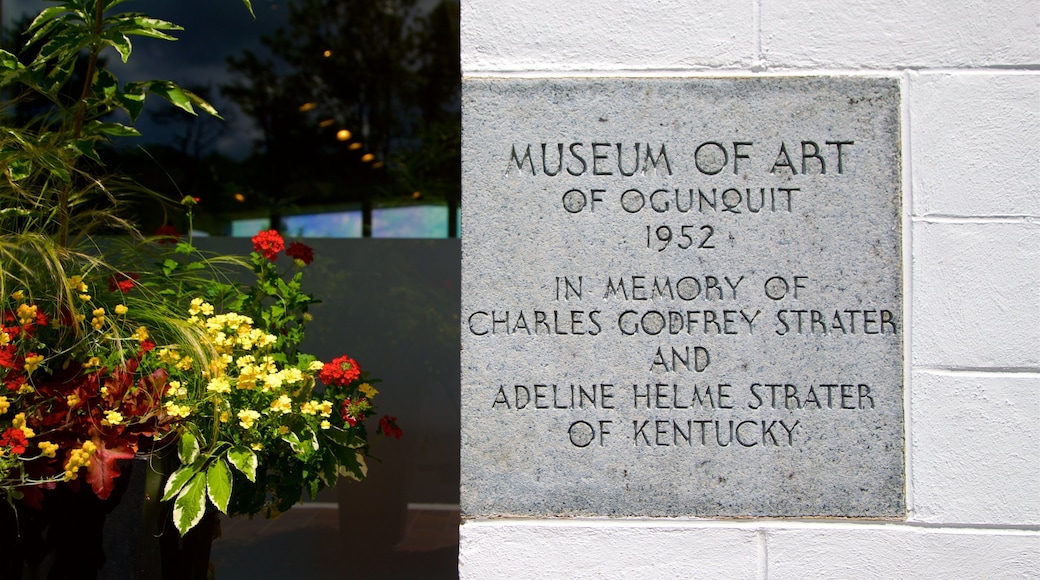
pixel 382 70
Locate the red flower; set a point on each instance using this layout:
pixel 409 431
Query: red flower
pixel 388 427
pixel 168 234
pixel 15 439
pixel 349 418
pixel 341 371
pixel 145 347
pixel 122 282
pixel 301 252
pixel 268 243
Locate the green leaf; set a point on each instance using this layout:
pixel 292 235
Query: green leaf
pixel 19 169
pixel 218 485
pixel 190 505
pixel 107 83
pixel 172 93
pixel 120 42
pixel 202 104
pixel 244 460
pixel 169 266
pixel 249 6
pixel 114 129
pixel 132 102
pixel 187 448
pixel 176 481
pixel 9 61
pixel 85 147
pixel 356 471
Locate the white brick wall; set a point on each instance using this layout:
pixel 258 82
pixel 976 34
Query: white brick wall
pixel 970 72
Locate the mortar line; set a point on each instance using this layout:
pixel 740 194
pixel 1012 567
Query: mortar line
pixel 1017 372
pixel 966 219
pixel 908 290
pixel 737 70
pixel 756 35
pixel 762 573
pixel 756 525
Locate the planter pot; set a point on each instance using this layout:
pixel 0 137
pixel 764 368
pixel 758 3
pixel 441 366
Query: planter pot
pixel 130 535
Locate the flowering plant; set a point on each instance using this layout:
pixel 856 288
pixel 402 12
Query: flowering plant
pixel 94 382
pixel 113 347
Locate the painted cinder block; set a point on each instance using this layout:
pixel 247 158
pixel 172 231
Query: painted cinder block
pixel 885 34
pixel 975 143
pixel 975 301
pixel 901 552
pixel 976 448
pixel 549 35
pixel 600 549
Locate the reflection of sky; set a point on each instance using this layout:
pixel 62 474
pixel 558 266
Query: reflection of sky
pixel 213 30
pixel 417 221
pixel 342 224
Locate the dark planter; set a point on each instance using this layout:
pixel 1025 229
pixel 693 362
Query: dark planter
pixel 130 535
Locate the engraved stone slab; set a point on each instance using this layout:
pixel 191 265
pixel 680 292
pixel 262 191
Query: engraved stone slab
pixel 682 297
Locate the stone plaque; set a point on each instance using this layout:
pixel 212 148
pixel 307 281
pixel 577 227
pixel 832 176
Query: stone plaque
pixel 682 297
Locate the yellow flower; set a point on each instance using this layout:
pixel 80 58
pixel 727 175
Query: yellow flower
pixel 120 309
pixel 368 390
pixel 140 335
pixel 26 389
pixel 225 417
pixel 219 385
pixel 48 449
pixel 92 362
pixel 257 446
pixel 19 421
pixel 326 408
pixel 283 404
pixel 184 364
pixel 325 424
pixel 283 429
pixel 175 410
pixel 72 400
pixel 28 432
pixel 4 339
pixel 247 417
pixel 84 297
pixel 316 365
pixel 292 376
pixel 79 458
pixel 99 318
pixel 112 418
pixel 76 283
pixel 4 405
pixel 169 357
pixel 26 314
pixel 32 362
pixel 17 295
pixel 272 382
pixel 309 408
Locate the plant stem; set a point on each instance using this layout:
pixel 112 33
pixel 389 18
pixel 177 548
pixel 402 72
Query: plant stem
pixel 80 116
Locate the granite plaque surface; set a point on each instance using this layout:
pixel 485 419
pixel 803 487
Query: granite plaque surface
pixel 682 297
